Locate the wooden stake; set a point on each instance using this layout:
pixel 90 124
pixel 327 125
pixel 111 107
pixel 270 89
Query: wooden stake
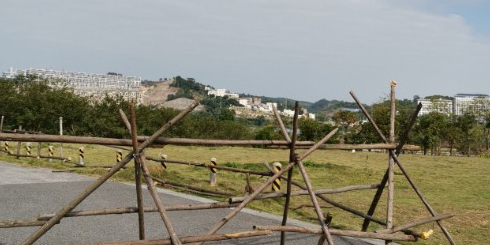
pixel 318 210
pixel 359 234
pixel 193 239
pixel 292 155
pixel 305 192
pixel 137 169
pixel 398 150
pixel 130 210
pixel 140 162
pixel 232 214
pixel 391 164
pixel 75 202
pixel 395 158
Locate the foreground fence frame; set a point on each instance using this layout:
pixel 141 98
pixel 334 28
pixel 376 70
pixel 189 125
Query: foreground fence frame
pixel 140 143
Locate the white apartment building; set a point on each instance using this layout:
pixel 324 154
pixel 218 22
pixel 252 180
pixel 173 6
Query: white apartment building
pixel 221 92
pixel 440 105
pixel 460 104
pixel 87 84
pixel 475 103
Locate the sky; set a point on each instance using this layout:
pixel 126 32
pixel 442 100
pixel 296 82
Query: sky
pixel 304 50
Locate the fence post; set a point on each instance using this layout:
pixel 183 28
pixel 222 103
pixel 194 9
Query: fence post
pixel 28 149
pixel 119 156
pixel 19 144
pixel 81 151
pixel 7 148
pixel 38 150
pixel 164 165
pixel 213 181
pixel 50 153
pixel 276 185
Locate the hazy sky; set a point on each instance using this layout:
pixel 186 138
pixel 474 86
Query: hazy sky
pixel 304 50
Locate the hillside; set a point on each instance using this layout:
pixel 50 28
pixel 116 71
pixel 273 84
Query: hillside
pixel 162 92
pixel 157 93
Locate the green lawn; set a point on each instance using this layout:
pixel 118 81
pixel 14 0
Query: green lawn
pixel 457 185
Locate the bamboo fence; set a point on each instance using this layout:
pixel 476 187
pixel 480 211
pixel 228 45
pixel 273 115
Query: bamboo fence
pixel 392 232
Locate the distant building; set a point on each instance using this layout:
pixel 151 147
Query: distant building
pixel 474 103
pixel 443 106
pixel 87 84
pixel 461 104
pixel 221 93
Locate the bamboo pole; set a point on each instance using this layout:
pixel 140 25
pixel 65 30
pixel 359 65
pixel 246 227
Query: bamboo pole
pixel 75 202
pixel 398 150
pixel 232 214
pixel 281 124
pixel 192 239
pixel 391 164
pixel 53 157
pixel 321 217
pixel 189 187
pixel 292 155
pixel 416 223
pixel 137 168
pixel 184 141
pixel 358 234
pixel 204 165
pixel 305 192
pixel 407 176
pixel 21 223
pixel 130 210
pixel 137 152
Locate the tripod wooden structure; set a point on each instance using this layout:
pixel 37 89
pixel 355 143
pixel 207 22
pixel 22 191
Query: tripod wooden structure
pixel 141 170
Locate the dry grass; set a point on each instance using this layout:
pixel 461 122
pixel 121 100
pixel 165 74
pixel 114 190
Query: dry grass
pixel 457 185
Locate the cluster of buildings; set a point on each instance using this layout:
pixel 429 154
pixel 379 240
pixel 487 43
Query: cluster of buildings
pixel 253 106
pixel 87 84
pixel 459 105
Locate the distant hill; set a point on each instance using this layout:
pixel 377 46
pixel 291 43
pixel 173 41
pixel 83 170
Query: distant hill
pixel 159 92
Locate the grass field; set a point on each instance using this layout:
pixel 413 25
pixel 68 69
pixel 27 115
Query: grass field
pixel 457 185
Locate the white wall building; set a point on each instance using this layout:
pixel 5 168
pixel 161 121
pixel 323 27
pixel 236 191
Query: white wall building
pixel 221 92
pixel 474 103
pixel 440 105
pixel 87 84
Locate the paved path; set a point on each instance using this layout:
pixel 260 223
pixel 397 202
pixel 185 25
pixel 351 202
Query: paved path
pixel 25 193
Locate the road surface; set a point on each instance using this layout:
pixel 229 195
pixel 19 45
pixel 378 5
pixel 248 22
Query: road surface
pixel 27 192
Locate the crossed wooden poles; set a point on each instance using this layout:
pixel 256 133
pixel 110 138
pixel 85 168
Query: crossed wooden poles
pixel 141 168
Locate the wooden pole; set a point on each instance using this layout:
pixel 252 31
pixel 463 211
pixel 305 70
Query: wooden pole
pixel 130 210
pixel 204 165
pixel 75 202
pixel 193 239
pixel 19 144
pixel 416 223
pixel 149 182
pixel 395 158
pixel 359 234
pixel 398 150
pixel 305 192
pixel 137 169
pixel 1 124
pixel 21 223
pixel 182 141
pixel 391 164
pixel 189 187
pixel 319 213
pixel 232 214
pixel 292 155
pixel 161 208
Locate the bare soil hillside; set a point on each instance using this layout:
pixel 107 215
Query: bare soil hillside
pixel 157 93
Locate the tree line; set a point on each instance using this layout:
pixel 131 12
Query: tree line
pixel 29 102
